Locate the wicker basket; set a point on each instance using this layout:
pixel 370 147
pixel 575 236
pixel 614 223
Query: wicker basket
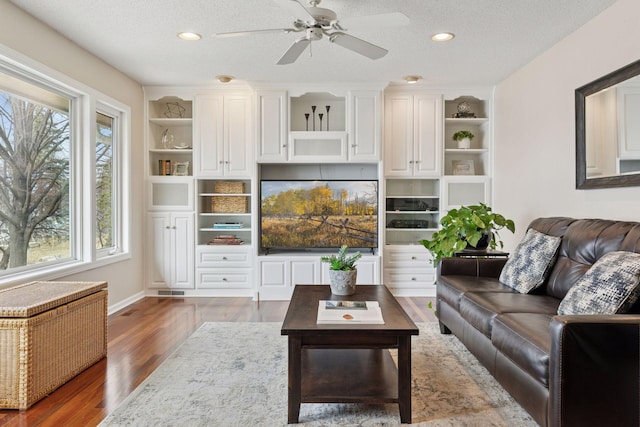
pixel 229 187
pixel 49 332
pixel 229 204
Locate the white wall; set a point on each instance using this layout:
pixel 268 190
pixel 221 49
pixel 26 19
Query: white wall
pixel 535 125
pixel 22 33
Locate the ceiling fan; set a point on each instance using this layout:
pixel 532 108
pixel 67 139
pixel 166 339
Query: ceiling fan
pixel 317 22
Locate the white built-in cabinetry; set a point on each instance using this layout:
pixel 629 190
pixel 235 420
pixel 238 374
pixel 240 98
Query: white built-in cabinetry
pixel 169 244
pixel 169 250
pixel 467 171
pixel 402 138
pixel 271 125
pixel 412 134
pixel 409 270
pixel 223 135
pixel 278 273
pixel 318 127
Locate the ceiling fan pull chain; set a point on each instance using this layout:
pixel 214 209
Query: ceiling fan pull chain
pixel 310 50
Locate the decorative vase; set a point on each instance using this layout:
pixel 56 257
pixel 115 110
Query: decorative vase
pixel 464 143
pixel 343 282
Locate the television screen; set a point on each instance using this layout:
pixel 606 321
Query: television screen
pixel 318 214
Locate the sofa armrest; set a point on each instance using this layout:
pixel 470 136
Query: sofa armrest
pixel 479 267
pixel 594 371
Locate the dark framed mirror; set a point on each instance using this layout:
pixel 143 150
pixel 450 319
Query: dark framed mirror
pixel 608 130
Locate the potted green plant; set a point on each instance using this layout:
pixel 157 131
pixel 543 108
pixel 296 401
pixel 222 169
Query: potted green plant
pixel 342 271
pixel 464 138
pixel 467 227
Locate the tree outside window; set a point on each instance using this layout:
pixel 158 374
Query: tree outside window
pixel 35 157
pixel 104 181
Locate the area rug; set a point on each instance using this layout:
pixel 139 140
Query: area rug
pixel 235 374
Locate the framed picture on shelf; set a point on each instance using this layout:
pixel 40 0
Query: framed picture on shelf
pixel 181 168
pixel 463 167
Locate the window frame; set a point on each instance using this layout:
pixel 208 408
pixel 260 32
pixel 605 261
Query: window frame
pixel 85 103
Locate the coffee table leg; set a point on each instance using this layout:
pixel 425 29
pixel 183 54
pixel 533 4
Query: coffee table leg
pixel 404 378
pixel 295 378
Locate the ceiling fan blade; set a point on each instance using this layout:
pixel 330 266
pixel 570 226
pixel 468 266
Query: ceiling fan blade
pixel 294 51
pixel 357 45
pixel 296 9
pixel 394 19
pixel 249 32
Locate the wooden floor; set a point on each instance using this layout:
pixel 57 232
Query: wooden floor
pixel 141 337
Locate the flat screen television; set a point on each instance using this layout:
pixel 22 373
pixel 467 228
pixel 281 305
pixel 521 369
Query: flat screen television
pixel 318 214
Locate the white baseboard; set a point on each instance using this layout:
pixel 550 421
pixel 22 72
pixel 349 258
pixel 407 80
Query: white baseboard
pixel 122 304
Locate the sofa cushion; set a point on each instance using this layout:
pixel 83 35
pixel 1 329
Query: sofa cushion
pixel 584 242
pixel 525 339
pixel 611 286
pixel 528 267
pixel 451 288
pixel 480 308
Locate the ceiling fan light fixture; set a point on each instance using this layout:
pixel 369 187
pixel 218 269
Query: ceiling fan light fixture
pixel 189 36
pixel 412 79
pixel 442 37
pixel 224 78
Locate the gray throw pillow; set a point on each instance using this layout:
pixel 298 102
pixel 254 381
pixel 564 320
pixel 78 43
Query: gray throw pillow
pixel 531 261
pixel 610 286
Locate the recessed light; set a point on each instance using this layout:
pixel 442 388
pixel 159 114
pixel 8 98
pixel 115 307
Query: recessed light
pixel 412 79
pixel 189 36
pixel 224 79
pixel 442 37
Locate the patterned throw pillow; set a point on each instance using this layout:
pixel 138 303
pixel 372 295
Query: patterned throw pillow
pixel 531 262
pixel 610 286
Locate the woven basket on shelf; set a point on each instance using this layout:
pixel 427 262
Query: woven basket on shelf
pixel 229 187
pixel 229 204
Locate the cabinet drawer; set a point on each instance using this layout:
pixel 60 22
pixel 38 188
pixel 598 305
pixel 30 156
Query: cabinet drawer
pixel 416 259
pixel 224 259
pixel 405 279
pixel 208 278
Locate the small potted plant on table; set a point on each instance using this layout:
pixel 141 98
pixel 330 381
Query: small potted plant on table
pixel 342 271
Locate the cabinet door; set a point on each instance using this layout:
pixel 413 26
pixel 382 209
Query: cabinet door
pixel 238 140
pixel 183 248
pixel 272 126
pixel 274 279
pixel 158 253
pixel 208 156
pixel 304 272
pixel 398 135
pixel 368 271
pixel 427 135
pixel 364 126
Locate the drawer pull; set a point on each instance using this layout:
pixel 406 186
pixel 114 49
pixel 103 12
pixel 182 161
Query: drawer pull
pixel 224 279
pixel 224 258
pixel 414 258
pixel 413 279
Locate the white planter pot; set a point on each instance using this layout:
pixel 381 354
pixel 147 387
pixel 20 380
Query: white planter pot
pixel 343 282
pixel 464 143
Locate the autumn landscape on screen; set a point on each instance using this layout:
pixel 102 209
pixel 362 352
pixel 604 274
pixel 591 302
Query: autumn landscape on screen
pixel 319 214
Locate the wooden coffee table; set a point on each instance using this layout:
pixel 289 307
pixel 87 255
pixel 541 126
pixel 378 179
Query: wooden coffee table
pixel 347 363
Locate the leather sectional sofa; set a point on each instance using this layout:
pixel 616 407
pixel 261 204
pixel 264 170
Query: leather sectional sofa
pixel 565 370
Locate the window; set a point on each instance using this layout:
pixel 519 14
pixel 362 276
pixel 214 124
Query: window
pixel 35 159
pixel 62 201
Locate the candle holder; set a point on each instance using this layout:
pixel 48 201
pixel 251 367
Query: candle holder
pixel 306 117
pixel 313 110
pixel 320 115
pixel 328 107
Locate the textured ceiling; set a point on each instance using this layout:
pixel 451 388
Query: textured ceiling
pixel 493 38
